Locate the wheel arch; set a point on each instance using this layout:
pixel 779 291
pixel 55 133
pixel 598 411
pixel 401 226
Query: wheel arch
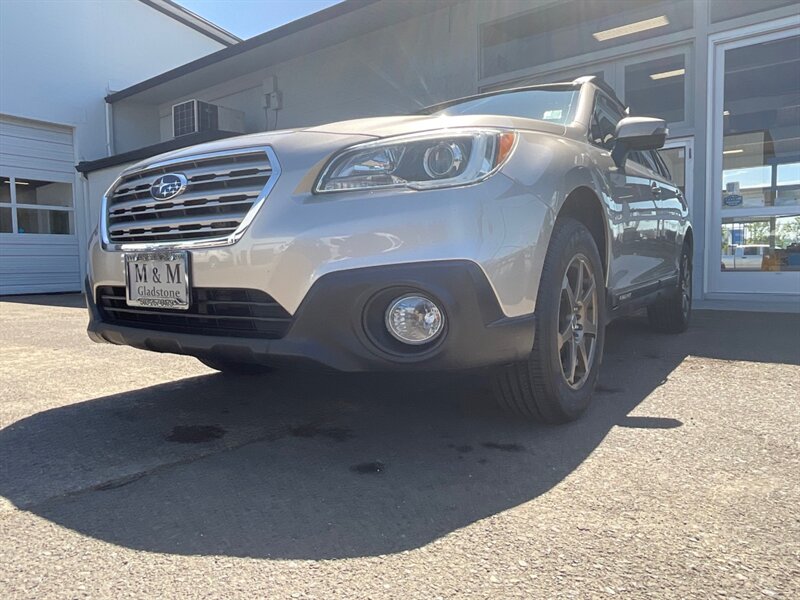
pixel 583 204
pixel 688 238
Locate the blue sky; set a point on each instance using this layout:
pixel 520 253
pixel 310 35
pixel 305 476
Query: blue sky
pixel 247 18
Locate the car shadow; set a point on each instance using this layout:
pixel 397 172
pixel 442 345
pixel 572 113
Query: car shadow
pixel 301 465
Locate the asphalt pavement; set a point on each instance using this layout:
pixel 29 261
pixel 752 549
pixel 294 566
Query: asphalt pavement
pixel 128 474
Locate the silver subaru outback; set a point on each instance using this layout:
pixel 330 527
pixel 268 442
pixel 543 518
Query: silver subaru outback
pixel 502 230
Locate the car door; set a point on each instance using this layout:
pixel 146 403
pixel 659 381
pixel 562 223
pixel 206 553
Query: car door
pixel 631 208
pixel 644 255
pixel 672 211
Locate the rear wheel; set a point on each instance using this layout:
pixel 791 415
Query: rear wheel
pixel 235 368
pixel 555 384
pixel 673 313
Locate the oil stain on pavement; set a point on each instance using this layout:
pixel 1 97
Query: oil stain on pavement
pixel 369 467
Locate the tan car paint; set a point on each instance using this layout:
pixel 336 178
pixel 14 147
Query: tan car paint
pixel 502 224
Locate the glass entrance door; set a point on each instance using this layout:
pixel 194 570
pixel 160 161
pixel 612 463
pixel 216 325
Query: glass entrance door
pixel 754 241
pixel 678 154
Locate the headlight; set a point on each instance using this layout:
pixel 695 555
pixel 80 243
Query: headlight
pixel 422 161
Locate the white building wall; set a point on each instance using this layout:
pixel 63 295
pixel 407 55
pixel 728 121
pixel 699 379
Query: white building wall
pixel 58 61
pixel 393 70
pixel 60 58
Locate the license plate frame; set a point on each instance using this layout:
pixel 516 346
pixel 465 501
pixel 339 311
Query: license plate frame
pixel 158 279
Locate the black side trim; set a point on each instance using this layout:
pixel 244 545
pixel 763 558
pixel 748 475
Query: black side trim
pixel 477 331
pixel 632 300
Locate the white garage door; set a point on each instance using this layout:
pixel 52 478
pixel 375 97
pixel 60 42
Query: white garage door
pixel 38 242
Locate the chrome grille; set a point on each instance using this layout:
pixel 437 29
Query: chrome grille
pixel 222 189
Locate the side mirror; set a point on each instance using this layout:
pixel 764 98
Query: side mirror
pixel 638 133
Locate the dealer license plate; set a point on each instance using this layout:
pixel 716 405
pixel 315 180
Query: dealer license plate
pixel 158 279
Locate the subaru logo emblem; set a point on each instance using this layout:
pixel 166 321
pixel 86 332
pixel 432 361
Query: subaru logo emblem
pixel 168 186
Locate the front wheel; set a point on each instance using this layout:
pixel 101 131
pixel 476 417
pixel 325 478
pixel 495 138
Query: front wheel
pixel 556 383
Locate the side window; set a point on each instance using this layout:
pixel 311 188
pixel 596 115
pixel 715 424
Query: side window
pixel 646 159
pixel 605 117
pixel 751 250
pixel 662 165
pixel 659 164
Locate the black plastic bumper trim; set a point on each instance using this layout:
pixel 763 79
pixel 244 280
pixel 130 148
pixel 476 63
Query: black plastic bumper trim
pixel 330 327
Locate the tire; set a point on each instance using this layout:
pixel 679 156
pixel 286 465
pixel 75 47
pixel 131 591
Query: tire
pixel 545 387
pixel 235 368
pixel 673 313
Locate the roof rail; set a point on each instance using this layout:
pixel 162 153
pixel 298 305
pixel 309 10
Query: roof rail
pixel 602 84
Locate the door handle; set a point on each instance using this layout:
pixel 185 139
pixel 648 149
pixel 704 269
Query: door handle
pixel 656 189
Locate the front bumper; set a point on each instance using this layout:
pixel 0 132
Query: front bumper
pixel 339 324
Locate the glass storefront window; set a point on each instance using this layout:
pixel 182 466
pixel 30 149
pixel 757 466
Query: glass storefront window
pixel 29 206
pixel 721 10
pixel 44 193
pixel 5 220
pixel 34 220
pixel 755 137
pixel 576 28
pixel 657 88
pixel 761 125
pixel 761 243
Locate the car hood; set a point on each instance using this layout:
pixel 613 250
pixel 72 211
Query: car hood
pixel 406 124
pixel 332 136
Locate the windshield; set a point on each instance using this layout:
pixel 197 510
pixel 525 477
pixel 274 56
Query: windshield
pixel 555 106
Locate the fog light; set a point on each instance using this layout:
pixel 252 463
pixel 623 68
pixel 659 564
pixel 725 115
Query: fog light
pixel 414 320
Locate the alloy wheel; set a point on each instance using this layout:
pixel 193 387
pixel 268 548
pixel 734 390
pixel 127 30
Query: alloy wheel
pixel 686 286
pixel 577 322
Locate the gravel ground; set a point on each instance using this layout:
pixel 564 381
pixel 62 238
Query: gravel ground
pixel 130 474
